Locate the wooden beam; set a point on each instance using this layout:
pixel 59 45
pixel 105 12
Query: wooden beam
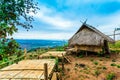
pixel 22 70
pixel 25 53
pixel 45 71
pixel 63 62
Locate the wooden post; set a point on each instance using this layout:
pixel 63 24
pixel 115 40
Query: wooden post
pixel 86 53
pixel 25 53
pixel 56 64
pixel 45 71
pixel 63 62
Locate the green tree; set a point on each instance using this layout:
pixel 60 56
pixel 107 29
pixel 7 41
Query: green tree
pixel 14 13
pixel 11 13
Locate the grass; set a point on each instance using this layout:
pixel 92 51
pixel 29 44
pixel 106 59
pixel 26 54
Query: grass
pixel 81 56
pixel 115 47
pixel 118 66
pixel 110 76
pixel 104 68
pixel 113 64
pixel 113 60
pixel 97 72
pixel 95 62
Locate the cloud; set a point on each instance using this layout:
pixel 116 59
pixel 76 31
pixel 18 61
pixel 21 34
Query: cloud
pixel 51 17
pixel 42 35
pixel 58 22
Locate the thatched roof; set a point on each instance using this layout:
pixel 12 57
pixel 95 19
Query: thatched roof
pixel 89 35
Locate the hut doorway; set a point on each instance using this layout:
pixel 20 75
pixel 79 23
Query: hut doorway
pixel 106 47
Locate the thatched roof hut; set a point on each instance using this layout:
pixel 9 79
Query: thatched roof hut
pixel 88 38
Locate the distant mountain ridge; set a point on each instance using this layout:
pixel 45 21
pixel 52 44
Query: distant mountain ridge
pixel 32 43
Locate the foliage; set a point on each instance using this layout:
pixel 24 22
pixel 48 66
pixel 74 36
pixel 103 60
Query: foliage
pixel 81 56
pixel 104 68
pixel 113 60
pixel 115 47
pixel 61 48
pixel 12 11
pixel 113 64
pixel 97 72
pixel 118 66
pixel 9 47
pixel 95 62
pixel 110 76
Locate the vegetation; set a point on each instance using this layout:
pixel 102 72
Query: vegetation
pixel 115 47
pixel 11 14
pixel 113 60
pixel 113 64
pixel 118 66
pixel 110 76
pixel 95 62
pixel 97 72
pixel 61 48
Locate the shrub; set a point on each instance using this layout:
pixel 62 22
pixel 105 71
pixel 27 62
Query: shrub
pixel 97 72
pixel 113 64
pixel 113 60
pixel 110 76
pixel 95 62
pixel 118 66
pixel 81 56
pixel 104 68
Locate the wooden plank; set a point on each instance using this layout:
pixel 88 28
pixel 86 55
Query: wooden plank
pixel 22 70
pixel 27 69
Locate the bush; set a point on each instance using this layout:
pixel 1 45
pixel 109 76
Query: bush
pixel 81 56
pixel 95 62
pixel 97 72
pixel 118 66
pixel 104 68
pixel 113 64
pixel 110 76
pixel 113 60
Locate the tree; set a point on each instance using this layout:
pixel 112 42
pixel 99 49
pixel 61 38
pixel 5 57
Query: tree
pixel 14 13
pixel 11 14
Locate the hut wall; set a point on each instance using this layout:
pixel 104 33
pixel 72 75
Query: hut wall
pixel 87 37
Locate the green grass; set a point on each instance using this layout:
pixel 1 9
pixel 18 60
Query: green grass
pixel 95 62
pixel 118 66
pixel 110 76
pixel 97 72
pixel 115 47
pixel 113 64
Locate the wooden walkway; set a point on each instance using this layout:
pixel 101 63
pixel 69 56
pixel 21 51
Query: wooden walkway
pixel 27 70
pixel 58 54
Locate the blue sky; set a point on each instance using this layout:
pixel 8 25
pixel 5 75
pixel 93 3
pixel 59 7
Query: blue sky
pixel 60 19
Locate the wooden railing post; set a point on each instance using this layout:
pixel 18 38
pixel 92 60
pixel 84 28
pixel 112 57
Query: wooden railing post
pixel 25 53
pixel 63 62
pixel 45 71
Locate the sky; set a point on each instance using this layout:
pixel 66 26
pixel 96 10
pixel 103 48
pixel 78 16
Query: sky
pixel 60 19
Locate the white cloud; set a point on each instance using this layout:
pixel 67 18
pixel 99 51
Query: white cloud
pixel 51 17
pixel 56 20
pixel 42 35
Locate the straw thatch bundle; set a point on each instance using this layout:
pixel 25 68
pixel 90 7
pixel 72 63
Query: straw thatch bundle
pixel 89 38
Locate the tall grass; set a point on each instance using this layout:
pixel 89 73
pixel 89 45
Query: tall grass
pixel 115 47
